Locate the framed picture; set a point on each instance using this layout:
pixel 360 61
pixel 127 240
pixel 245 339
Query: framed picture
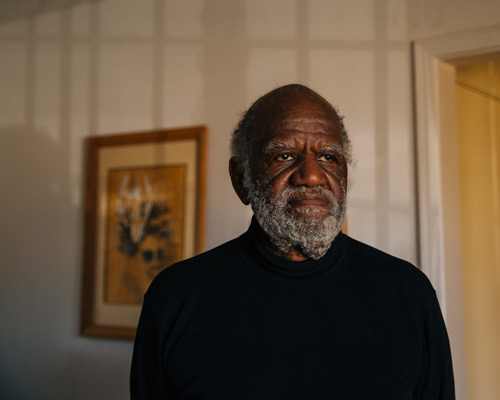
pixel 144 211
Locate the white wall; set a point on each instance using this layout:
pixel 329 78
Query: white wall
pixel 122 65
pixel 428 18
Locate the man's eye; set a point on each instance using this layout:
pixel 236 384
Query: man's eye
pixel 284 157
pixel 328 157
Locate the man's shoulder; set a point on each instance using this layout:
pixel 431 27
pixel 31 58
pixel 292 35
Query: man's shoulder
pixel 384 266
pixel 185 272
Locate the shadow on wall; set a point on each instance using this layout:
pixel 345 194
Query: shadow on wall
pixel 35 179
pixel 11 10
pixel 39 290
pixel 88 377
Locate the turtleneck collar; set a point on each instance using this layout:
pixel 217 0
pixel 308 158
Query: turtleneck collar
pixel 266 260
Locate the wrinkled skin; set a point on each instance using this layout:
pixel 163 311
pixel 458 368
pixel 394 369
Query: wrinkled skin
pixel 298 144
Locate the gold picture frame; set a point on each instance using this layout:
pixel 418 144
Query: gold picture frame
pixel 144 210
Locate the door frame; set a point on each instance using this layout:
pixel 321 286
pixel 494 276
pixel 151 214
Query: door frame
pixel 434 62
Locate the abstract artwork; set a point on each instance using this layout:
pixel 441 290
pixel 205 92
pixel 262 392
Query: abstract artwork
pixel 145 228
pixel 144 202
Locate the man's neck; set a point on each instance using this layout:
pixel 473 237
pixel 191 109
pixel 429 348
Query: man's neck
pixel 293 254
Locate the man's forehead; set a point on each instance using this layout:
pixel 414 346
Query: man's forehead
pixel 325 124
pixel 304 122
pixel 295 114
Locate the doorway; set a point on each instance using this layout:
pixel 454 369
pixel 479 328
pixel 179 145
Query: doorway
pixel 478 138
pixel 437 64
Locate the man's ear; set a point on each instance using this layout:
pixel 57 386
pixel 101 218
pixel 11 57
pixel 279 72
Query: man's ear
pixel 237 180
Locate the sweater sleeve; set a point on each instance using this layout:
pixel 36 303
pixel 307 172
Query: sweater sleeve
pixel 147 377
pixel 436 380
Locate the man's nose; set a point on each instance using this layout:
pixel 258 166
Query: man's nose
pixel 308 173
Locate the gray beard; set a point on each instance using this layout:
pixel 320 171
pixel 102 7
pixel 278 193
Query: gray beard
pixel 311 232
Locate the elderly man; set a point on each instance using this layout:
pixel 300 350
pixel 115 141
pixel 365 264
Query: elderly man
pixel 293 308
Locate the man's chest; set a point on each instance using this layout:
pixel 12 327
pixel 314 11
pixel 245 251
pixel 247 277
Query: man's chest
pixel 307 346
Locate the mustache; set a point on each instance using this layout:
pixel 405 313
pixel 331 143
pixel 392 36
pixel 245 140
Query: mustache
pixel 292 193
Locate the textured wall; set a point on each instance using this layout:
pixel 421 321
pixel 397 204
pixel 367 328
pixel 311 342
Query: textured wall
pixel 121 65
pixel 427 18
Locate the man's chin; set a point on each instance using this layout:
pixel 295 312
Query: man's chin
pixel 308 214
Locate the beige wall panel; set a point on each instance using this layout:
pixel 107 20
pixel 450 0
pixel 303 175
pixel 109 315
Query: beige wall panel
pixel 400 131
pixel 125 82
pixel 49 24
pixel 183 85
pixel 401 231
pixel 13 83
pixel 342 20
pixel 396 20
pixel 270 68
pixel 126 18
pixel 80 19
pixel 79 101
pixel 358 216
pixel 15 27
pixel 79 117
pixel 184 19
pixel 47 89
pixel 261 21
pixel 428 18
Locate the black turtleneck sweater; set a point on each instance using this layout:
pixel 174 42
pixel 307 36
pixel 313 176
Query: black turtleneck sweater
pixel 239 322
